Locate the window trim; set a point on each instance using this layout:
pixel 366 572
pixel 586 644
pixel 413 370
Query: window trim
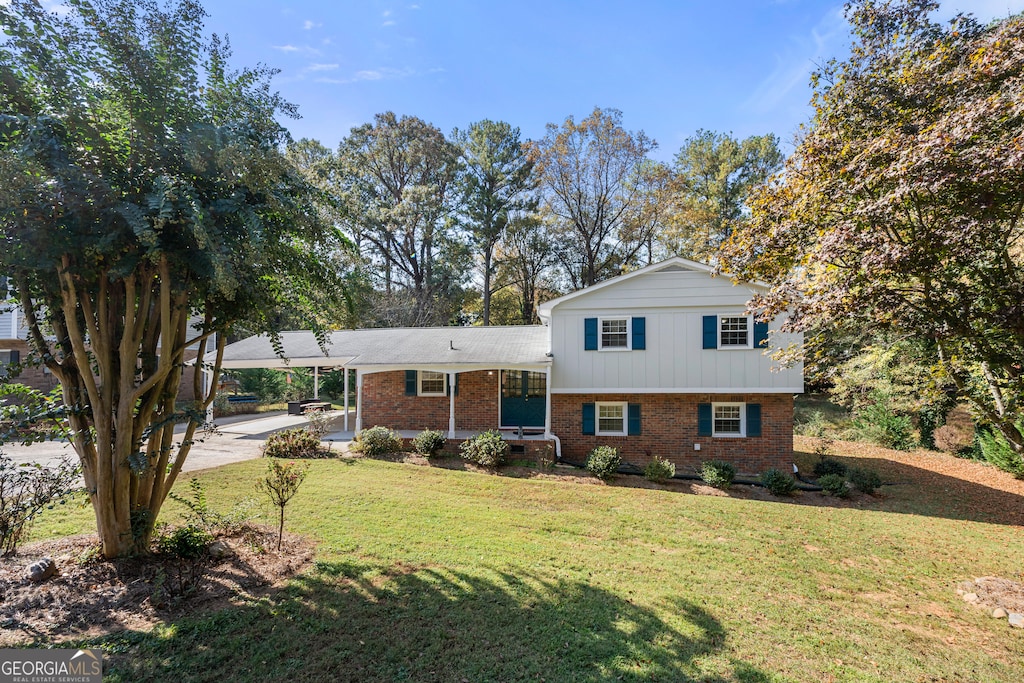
pixel 743 420
pixel 629 333
pixel 625 418
pixel 750 334
pixel 419 384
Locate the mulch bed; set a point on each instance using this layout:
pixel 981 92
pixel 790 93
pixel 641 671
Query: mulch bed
pixel 90 596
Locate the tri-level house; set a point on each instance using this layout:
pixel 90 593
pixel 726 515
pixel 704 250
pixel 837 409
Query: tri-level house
pixel 663 361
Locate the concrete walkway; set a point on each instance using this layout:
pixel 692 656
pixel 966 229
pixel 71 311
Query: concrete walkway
pixel 237 438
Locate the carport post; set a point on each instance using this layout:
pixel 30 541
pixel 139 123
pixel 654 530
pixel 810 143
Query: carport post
pixel 316 382
pixel 359 401
pixel 451 405
pixel 345 370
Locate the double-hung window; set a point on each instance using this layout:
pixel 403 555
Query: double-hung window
pixel 431 383
pixel 728 419
pixel 734 332
pixel 614 333
pixel 611 419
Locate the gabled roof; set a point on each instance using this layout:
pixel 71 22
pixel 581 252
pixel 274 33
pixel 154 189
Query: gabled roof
pixel 674 263
pixel 400 347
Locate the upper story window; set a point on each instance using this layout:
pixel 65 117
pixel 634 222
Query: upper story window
pixel 615 333
pixel 431 383
pixel 734 332
pixel 728 419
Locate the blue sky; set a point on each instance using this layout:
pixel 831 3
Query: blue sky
pixel 737 66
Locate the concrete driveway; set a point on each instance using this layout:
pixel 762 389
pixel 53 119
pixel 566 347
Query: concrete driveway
pixel 237 438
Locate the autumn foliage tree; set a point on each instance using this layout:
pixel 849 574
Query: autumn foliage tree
pixel 146 210
pixel 901 208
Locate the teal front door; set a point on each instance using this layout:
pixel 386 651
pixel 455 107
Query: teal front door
pixel 523 398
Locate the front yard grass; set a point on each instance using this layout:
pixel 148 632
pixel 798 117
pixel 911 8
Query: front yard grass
pixel 428 574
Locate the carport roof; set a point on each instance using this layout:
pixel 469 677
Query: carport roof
pixel 523 346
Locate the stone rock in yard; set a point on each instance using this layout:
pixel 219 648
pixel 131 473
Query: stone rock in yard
pixel 219 549
pixel 999 613
pixel 971 598
pixel 1017 620
pixel 42 570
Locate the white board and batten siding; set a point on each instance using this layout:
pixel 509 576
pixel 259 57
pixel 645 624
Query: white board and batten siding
pixel 673 301
pixel 12 323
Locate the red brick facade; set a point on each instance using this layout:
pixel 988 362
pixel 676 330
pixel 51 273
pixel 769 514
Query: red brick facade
pixel 669 430
pixel 385 403
pixel 33 376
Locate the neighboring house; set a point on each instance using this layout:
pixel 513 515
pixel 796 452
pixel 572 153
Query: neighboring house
pixel 14 350
pixel 662 361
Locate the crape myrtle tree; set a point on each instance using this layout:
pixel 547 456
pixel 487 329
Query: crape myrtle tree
pixel 146 208
pixel 901 208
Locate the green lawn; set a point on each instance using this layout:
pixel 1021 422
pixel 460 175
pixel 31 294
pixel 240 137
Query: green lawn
pixel 426 574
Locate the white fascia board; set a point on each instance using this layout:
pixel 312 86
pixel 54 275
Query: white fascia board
pixel 281 363
pixel 461 367
pixel 680 390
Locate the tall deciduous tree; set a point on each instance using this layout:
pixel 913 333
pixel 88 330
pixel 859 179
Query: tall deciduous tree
pixel 594 175
pixel 496 184
pixel 399 191
pixel 146 210
pixel 714 175
pixel 901 208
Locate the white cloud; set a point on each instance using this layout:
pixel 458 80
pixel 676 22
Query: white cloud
pixel 414 6
pixel 384 73
pixel 983 10
pixel 793 66
pixel 322 67
pixel 56 7
pixel 309 24
pixel 386 13
pixel 285 48
pixel 389 22
pixel 304 49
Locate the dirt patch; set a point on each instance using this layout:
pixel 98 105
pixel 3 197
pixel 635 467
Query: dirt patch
pixel 992 592
pixel 90 596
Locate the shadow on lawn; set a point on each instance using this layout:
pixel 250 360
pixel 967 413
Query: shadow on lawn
pixel 348 622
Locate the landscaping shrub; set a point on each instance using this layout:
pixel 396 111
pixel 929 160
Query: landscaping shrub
pixel 429 442
pixel 25 491
pixel 864 480
pixel 318 423
pixel 185 555
pixel 827 466
pixel 487 449
pixel 378 441
pixel 998 452
pixel 659 469
pixel 834 484
pixel 717 473
pixel 604 462
pixel 200 513
pixel 293 443
pixel 280 484
pixel 814 425
pixel 877 423
pixel 777 482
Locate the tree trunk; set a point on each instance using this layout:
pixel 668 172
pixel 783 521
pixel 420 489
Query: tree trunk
pixel 488 257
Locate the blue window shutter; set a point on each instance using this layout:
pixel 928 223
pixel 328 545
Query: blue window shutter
pixel 15 357
pixel 588 418
pixel 704 419
pixel 639 334
pixel 590 334
pixel 634 419
pixel 711 332
pixel 410 382
pixel 760 334
pixel 753 419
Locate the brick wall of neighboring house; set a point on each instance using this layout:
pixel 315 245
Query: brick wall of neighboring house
pixel 385 403
pixel 33 376
pixel 669 430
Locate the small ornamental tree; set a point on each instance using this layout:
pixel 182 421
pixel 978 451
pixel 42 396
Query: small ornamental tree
pixel 900 209
pixel 146 211
pixel 280 484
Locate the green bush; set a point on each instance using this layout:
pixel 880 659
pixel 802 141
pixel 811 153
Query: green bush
pixel 813 425
pixel 827 466
pixel 864 480
pixel 778 483
pixel 25 491
pixel 185 555
pixel 604 462
pixel 998 452
pixel 293 443
pixel 877 423
pixel 659 469
pixel 717 473
pixel 429 442
pixel 378 441
pixel 834 484
pixel 487 449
